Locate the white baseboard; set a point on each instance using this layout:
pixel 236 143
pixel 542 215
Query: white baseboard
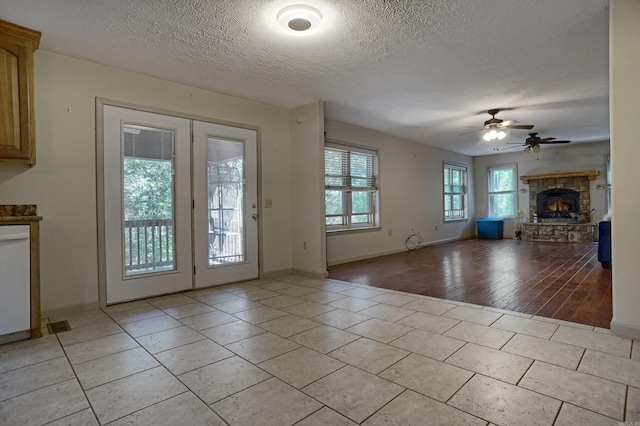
pixel 276 274
pixel 310 274
pixel 293 271
pixel 395 251
pixel 69 310
pixel 625 330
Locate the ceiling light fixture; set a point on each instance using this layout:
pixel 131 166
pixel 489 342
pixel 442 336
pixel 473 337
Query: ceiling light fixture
pixel 493 134
pixel 299 19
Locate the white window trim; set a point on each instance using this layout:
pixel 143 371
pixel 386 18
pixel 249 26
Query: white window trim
pixel 513 166
pixel 375 193
pixel 465 199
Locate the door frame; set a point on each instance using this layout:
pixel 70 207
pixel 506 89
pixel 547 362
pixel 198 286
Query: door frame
pixel 100 103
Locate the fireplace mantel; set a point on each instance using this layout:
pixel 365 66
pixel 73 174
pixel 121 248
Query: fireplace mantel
pixel 591 174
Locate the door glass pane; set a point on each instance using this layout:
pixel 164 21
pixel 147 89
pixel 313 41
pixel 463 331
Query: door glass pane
pixel 148 200
pixel 226 215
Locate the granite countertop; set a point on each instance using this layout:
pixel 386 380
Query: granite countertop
pixel 18 213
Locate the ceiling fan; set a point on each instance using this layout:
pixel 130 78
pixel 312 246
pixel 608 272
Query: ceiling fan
pixel 534 141
pixel 495 126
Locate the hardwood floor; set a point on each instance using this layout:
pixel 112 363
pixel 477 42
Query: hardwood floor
pixel 556 280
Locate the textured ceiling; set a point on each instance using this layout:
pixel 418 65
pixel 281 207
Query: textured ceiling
pixel 418 69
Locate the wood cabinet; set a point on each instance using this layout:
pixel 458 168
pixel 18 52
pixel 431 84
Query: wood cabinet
pixel 17 125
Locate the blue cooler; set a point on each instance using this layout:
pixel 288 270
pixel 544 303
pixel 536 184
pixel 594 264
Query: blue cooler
pixel 490 227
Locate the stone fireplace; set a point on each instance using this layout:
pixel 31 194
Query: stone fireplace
pixel 560 200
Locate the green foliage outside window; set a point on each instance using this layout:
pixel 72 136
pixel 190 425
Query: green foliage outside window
pixel 148 189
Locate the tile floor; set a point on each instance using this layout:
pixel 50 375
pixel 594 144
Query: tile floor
pixel 317 352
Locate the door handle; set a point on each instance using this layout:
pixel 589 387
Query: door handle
pixel 254 216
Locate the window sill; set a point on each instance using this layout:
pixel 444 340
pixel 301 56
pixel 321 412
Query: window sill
pixel 456 220
pixel 352 230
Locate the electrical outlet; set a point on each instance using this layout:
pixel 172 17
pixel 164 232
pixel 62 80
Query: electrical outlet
pixel 435 227
pixel 390 232
pixel 268 204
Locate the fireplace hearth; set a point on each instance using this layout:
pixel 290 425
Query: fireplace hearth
pixel 558 203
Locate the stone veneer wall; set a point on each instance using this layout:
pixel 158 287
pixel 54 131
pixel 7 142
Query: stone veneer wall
pixel 578 183
pixel 561 232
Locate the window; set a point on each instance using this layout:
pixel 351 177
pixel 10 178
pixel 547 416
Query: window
pixel 503 201
pixel 455 192
pixel 351 187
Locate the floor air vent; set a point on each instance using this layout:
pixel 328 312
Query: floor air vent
pixel 58 327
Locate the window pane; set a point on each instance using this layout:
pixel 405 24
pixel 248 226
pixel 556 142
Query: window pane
pixel 359 164
pixel 502 205
pixel 456 177
pixel 333 162
pixel 334 201
pixel 360 219
pixel 334 181
pixel 335 220
pixel 148 200
pixel 360 202
pixel 502 180
pixel 447 172
pixel 447 202
pixel 225 176
pixel 458 203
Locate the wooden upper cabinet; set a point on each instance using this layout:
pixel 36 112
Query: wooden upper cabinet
pixel 17 125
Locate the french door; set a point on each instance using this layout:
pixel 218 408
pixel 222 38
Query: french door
pixel 225 204
pixel 155 202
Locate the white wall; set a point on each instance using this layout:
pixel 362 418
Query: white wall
pixel 63 182
pixel 550 159
pixel 307 184
pixel 624 62
pixel 411 195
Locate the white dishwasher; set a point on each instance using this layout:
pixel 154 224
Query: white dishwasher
pixel 15 289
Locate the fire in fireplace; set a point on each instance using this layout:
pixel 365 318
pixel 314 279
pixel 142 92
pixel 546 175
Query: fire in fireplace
pixel 558 203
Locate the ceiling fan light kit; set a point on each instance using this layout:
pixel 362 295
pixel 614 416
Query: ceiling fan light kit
pixel 493 134
pixel 534 141
pixel 495 127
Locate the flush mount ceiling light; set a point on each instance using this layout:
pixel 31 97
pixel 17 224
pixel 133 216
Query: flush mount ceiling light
pixel 299 19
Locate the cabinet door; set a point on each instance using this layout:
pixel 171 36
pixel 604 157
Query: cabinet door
pixel 17 126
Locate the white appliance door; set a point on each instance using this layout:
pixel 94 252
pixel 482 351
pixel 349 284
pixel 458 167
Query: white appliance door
pixel 15 292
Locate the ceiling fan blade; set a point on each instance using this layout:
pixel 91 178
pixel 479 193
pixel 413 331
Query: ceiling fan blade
pixel 518 126
pixel 545 140
pixel 550 142
pixel 511 147
pixel 467 133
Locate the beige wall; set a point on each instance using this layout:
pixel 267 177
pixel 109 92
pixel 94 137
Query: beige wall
pixel 624 63
pixel 550 159
pixel 307 184
pixel 411 195
pixel 63 183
